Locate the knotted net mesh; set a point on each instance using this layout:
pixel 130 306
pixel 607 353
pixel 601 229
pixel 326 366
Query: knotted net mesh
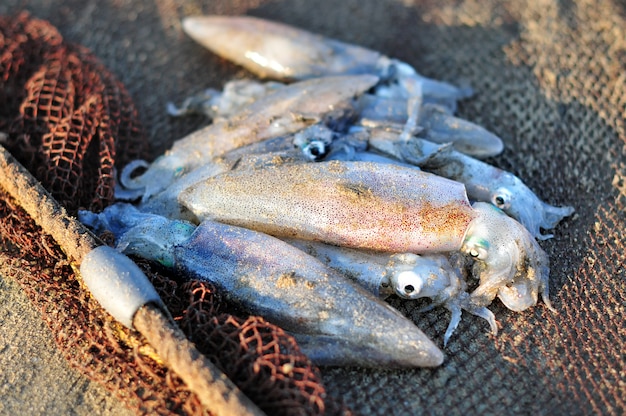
pixel 72 120
pixel 549 79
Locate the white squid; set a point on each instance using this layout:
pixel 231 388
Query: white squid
pixel 279 51
pixel 284 111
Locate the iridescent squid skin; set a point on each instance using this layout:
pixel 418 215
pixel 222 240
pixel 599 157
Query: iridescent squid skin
pixel 284 111
pixel 335 321
pixel 407 275
pixel 376 207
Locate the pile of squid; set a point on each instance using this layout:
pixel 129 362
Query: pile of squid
pixel 311 198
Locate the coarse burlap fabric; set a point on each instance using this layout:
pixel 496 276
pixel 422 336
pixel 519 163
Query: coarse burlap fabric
pixel 550 79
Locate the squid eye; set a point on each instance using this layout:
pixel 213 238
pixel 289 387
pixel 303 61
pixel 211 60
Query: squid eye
pixel 502 199
pixel 478 251
pixel 408 289
pixel 315 150
pixel 476 247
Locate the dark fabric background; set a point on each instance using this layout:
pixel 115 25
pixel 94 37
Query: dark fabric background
pixel 550 79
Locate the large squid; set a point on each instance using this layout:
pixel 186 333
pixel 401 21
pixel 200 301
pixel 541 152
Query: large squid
pixel 380 207
pixel 335 321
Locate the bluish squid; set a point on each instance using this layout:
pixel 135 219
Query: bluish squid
pixel 334 320
pixel 434 276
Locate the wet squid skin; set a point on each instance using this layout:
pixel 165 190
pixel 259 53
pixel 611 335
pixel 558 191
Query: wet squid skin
pixel 379 207
pixel 284 111
pixel 434 123
pixel 435 276
pixel 338 322
pixel 268 278
pixel 482 181
pixel 292 148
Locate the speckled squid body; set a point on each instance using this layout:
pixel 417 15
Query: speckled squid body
pixel 353 204
pixel 482 181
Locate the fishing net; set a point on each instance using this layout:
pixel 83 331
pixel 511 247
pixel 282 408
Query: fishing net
pixel 62 112
pixel 72 120
pixel 549 79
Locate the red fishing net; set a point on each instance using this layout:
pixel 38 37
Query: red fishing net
pixel 70 122
pixel 63 113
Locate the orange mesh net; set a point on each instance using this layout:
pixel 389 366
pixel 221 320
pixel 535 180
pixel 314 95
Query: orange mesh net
pixel 63 113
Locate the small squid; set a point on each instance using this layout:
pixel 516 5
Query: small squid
pixel 482 181
pixel 380 207
pixel 434 123
pixel 407 275
pixel 284 111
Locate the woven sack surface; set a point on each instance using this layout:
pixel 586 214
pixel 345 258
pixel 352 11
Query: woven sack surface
pixel 549 81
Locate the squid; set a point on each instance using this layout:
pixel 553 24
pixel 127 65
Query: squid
pixel 287 110
pixel 436 123
pixel 396 203
pixel 335 321
pixel 279 51
pixel 309 144
pixel 380 207
pixel 407 275
pixel 482 181
pixel 275 50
